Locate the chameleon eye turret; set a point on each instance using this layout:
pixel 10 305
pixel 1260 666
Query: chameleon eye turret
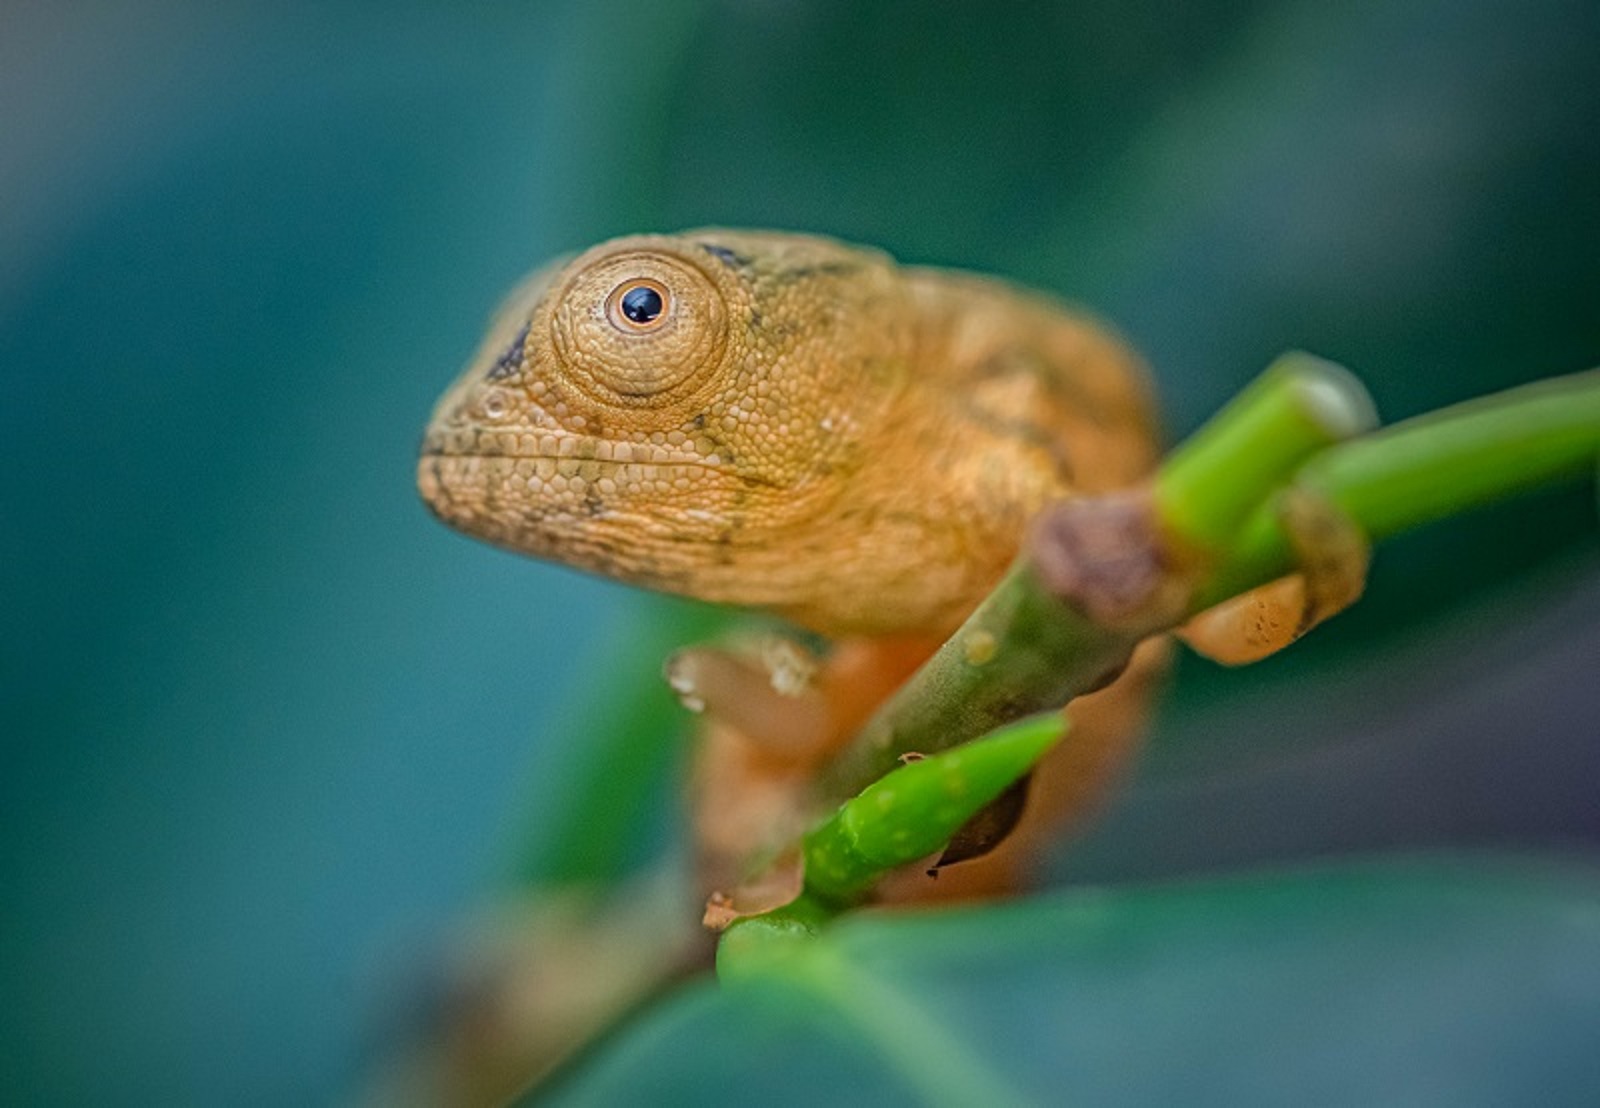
pixel 635 326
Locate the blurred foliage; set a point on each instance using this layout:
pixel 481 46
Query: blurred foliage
pixel 263 722
pixel 605 811
pixel 1424 982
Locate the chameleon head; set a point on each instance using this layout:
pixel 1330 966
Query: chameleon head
pixel 661 409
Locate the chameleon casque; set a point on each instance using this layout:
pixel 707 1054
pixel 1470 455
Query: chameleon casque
pixel 793 424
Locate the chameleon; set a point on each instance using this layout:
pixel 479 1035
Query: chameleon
pixel 792 424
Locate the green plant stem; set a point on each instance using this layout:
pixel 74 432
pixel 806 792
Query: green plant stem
pixel 1211 484
pixel 1431 467
pixel 1028 648
pixel 1048 652
pixel 751 946
pixel 909 814
pixel 1217 496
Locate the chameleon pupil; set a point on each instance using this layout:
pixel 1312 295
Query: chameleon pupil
pixel 641 305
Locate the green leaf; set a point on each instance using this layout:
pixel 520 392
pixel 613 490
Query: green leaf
pixel 1452 980
pixel 589 820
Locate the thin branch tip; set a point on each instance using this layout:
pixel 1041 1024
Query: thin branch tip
pixel 1338 403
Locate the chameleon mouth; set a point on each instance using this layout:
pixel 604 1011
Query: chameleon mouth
pixel 645 523
pixel 564 450
pixel 539 483
pixel 530 497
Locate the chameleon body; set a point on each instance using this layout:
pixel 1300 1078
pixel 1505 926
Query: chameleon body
pixel 783 422
pixel 789 423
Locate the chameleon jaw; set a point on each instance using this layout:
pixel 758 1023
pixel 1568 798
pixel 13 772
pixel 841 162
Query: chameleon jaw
pixel 646 523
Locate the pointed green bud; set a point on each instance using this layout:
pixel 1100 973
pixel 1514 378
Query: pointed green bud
pixel 914 810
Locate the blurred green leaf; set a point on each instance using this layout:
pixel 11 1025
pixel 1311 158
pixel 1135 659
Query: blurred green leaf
pixel 1449 980
pixel 594 817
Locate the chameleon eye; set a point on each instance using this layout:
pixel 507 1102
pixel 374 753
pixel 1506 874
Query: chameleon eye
pixel 637 305
pixel 635 319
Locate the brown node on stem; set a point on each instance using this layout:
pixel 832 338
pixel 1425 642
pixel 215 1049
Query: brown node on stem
pixel 1108 557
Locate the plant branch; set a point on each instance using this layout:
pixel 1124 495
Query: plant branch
pixel 1431 467
pixel 1096 576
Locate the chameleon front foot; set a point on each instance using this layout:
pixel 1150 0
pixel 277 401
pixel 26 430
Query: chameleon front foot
pixel 765 694
pixel 1333 555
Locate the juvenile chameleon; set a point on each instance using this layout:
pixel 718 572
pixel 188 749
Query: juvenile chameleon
pixel 793 424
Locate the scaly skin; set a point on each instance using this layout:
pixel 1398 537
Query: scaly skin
pixel 805 428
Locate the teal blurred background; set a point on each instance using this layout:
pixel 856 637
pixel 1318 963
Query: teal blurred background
pixel 267 729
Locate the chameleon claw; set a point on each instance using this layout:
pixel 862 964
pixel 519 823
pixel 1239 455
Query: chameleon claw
pixel 790 667
pixel 1332 551
pixel 1332 554
pixel 719 911
pixel 683 685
